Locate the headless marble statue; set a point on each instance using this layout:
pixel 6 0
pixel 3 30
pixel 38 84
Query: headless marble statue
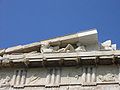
pixel 80 48
pixel 107 45
pixel 45 48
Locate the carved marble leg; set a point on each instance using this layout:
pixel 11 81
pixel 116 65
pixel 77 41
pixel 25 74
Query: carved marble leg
pixel 84 75
pixel 93 74
pixel 69 47
pixel 88 74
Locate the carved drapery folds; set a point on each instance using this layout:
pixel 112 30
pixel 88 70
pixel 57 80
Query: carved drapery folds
pixel 108 74
pixel 5 82
pixel 109 77
pixel 34 78
pixel 5 79
pixel 46 48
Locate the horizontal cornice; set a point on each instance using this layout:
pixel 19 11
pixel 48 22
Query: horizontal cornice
pixel 61 59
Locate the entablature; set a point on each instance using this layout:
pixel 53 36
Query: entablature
pixel 61 59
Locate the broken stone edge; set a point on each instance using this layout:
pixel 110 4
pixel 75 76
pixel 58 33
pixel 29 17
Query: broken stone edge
pixel 36 46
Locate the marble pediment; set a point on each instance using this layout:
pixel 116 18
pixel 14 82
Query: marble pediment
pixel 78 42
pixel 86 37
pixel 82 41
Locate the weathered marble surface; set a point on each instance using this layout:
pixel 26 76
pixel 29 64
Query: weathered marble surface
pixel 60 78
pixel 107 45
pixel 71 62
pixel 87 39
pixel 105 74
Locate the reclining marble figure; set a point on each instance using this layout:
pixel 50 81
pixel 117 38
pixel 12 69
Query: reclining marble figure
pixel 46 48
pixel 80 48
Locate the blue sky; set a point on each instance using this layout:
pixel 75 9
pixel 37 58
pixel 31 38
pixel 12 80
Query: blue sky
pixel 27 21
